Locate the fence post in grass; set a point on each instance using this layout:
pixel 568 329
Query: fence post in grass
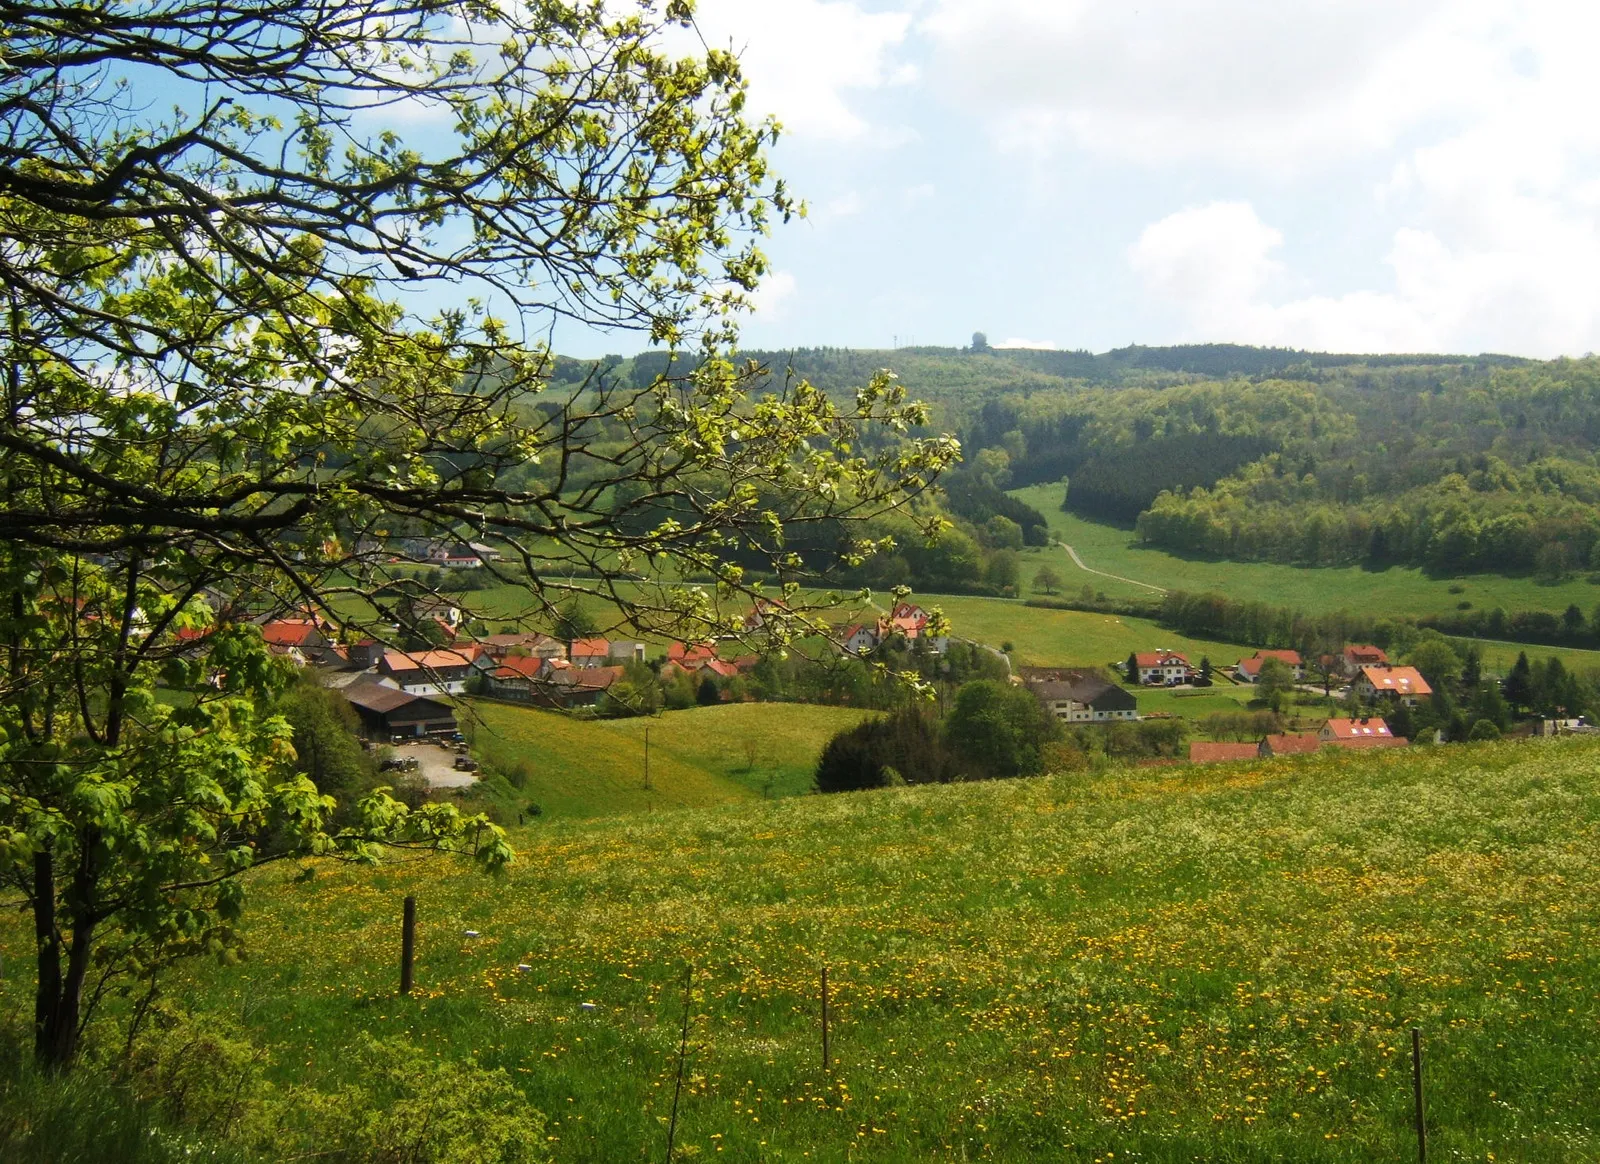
pixel 826 1061
pixel 683 1053
pixel 1416 1094
pixel 408 943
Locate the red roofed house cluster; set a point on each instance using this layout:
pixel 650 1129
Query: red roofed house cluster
pixel 1336 733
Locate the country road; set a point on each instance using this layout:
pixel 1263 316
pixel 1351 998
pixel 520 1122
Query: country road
pixel 1077 561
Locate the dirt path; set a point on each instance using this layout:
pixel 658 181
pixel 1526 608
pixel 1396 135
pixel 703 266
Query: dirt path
pixel 1077 561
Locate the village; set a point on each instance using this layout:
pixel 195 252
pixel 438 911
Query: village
pixel 405 695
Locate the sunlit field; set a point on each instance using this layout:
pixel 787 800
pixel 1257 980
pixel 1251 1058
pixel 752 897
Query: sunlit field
pixel 1182 964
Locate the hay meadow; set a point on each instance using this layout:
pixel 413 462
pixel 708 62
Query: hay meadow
pixel 1172 964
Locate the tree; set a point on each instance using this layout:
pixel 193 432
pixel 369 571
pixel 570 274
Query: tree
pixel 218 402
pixel 980 343
pixel 1131 668
pixel 1274 682
pixel 708 694
pixel 1047 580
pixel 1437 660
pixel 1004 569
pixel 1519 684
pixel 998 730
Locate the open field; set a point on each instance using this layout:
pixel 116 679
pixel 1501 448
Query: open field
pixel 1172 965
pixel 1049 638
pixel 1315 590
pixel 698 757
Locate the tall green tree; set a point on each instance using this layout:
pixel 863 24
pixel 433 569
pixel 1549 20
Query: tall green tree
pixel 997 730
pixel 219 399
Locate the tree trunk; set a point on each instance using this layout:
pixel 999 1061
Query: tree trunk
pixel 58 1003
pixel 47 998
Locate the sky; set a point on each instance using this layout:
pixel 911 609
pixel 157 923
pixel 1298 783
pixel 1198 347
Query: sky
pixel 1338 175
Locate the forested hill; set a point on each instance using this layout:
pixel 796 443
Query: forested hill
pixel 1457 463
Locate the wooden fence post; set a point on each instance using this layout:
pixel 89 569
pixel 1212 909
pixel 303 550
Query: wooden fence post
pixel 826 1061
pixel 683 1053
pixel 408 943
pixel 1416 1094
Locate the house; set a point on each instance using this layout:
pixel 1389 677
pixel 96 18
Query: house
pixel 439 672
pixel 529 643
pixel 574 686
pixel 1403 683
pixel 1357 655
pixel 626 651
pixel 858 638
pixel 689 657
pixel 296 637
pixel 387 711
pixel 1354 729
pixel 589 652
pixel 1162 668
pixel 1078 697
pixel 514 676
pixel 1288 745
pixel 1204 752
pixel 1250 669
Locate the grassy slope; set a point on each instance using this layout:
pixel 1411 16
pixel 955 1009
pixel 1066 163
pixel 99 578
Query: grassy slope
pixel 1398 591
pixel 697 757
pixel 1053 638
pixel 1216 963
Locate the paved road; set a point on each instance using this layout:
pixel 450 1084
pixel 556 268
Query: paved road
pixel 1077 561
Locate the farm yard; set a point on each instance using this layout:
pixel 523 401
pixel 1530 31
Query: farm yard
pixel 1217 964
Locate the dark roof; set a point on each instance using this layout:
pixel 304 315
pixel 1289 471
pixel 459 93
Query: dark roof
pixel 376 697
pixel 1092 690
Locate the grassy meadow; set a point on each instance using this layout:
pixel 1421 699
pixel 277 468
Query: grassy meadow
pixel 1217 963
pixel 698 757
pixel 1313 589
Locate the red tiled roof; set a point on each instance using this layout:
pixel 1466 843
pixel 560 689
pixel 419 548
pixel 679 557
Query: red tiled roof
pixel 1404 680
pixel 1293 745
pixel 289 632
pixel 590 648
pixel 1359 653
pixel 1355 729
pixel 518 667
pixel 600 677
pixel 682 653
pixel 717 666
pixel 1160 659
pixel 1202 752
pixel 437 660
pixel 1371 742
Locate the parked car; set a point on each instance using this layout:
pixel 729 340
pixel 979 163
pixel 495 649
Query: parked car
pixel 466 764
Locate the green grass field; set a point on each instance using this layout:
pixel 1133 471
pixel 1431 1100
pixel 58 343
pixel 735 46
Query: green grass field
pixel 1315 590
pixel 697 757
pixel 1050 638
pixel 1158 966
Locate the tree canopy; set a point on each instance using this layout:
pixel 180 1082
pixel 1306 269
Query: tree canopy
pixel 277 283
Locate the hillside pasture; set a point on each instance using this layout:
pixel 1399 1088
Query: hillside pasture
pixel 1315 590
pixel 584 768
pixel 1218 963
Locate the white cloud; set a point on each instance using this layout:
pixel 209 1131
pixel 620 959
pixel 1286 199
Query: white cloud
pixel 1260 82
pixel 846 205
pixel 921 192
pixel 769 299
pixel 1037 345
pixel 1536 297
pixel 803 57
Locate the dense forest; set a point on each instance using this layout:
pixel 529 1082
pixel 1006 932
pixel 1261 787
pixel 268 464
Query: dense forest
pixel 1453 463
